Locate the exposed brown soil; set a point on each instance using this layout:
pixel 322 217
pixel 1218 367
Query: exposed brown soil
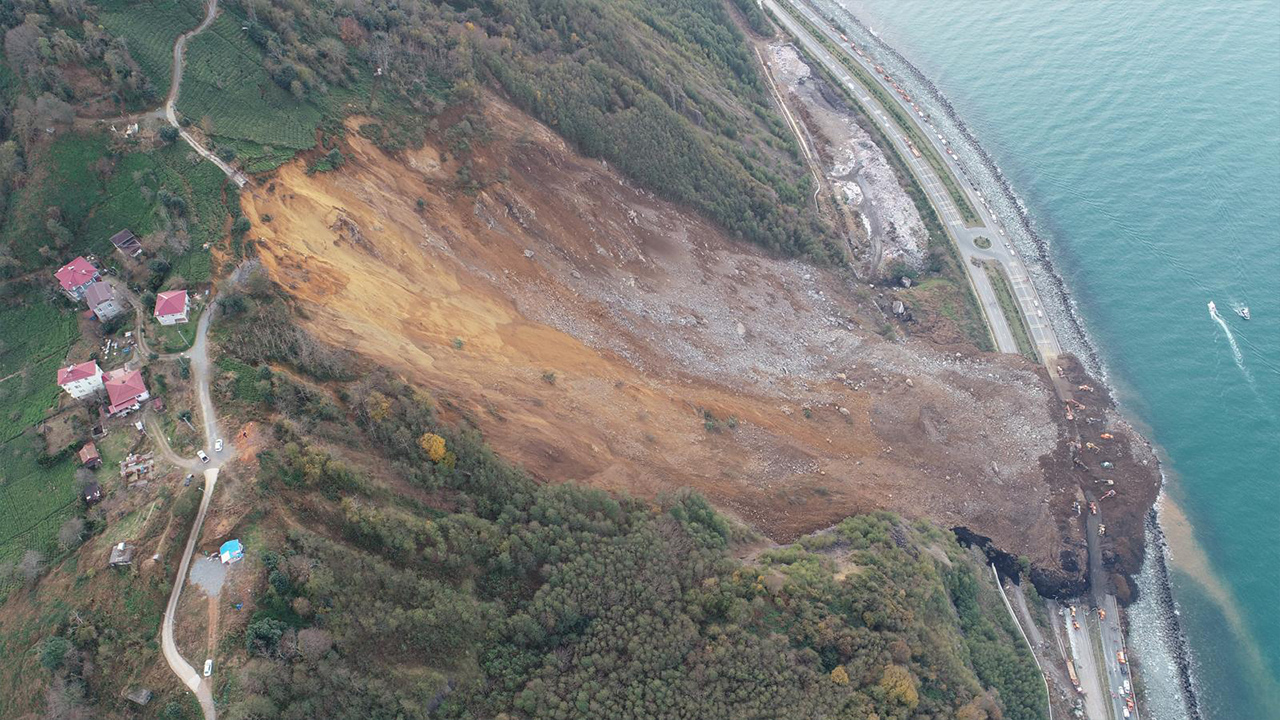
pixel 659 330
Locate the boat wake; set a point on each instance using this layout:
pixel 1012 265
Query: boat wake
pixel 1231 340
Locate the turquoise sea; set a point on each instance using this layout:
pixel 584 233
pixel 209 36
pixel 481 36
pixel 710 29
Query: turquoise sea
pixel 1143 140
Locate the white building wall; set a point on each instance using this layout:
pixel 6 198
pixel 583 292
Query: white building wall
pixel 84 387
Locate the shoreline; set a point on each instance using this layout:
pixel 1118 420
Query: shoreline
pixel 1170 631
pixel 1156 547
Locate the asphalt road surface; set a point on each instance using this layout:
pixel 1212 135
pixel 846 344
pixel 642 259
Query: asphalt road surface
pixel 199 357
pixel 1001 251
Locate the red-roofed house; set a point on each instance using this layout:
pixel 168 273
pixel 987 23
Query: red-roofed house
pixel 81 380
pixel 75 276
pixel 171 307
pixel 125 390
pixel 89 456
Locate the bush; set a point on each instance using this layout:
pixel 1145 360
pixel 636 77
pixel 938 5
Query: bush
pixel 53 652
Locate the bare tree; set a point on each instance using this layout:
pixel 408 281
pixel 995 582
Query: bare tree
pixel 31 565
pixel 314 643
pixel 70 533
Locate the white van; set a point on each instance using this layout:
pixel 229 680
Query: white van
pixel 208 667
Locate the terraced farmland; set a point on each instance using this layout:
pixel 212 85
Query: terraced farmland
pixel 150 29
pixel 225 85
pixel 34 500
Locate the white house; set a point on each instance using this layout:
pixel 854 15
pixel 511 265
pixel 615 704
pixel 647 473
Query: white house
pixel 101 299
pixel 81 380
pixel 172 307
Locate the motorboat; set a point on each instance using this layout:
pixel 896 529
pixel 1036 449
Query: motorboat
pixel 1243 311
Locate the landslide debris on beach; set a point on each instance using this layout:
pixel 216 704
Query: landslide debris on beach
pixel 597 334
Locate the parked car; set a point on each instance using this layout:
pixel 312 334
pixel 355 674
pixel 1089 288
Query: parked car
pixel 208 667
pixel 203 458
pixel 217 445
pixel 187 481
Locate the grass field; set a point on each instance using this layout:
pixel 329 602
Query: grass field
pixel 224 81
pixel 34 500
pixel 150 28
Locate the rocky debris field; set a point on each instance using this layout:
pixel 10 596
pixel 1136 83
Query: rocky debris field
pixel 854 163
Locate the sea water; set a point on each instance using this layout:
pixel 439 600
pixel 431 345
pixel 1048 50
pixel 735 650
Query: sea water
pixel 1142 141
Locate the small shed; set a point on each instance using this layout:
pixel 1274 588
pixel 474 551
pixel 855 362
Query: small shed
pixel 92 493
pixel 89 456
pixel 127 243
pixel 139 695
pixel 231 551
pixel 121 554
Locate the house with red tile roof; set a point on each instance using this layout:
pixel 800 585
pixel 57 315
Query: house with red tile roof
pixel 89 456
pixel 75 276
pixel 101 299
pixel 125 390
pixel 172 307
pixel 81 381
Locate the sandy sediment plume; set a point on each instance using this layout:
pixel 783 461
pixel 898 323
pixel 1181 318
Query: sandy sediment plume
pixel 614 339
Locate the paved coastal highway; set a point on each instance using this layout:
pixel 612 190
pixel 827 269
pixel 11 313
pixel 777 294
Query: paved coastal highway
pixel 1001 251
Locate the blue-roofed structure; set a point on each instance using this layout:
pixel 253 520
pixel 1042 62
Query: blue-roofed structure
pixel 231 551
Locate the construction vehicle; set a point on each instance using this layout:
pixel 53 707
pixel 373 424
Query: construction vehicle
pixel 1085 388
pixel 1075 624
pixel 1092 447
pixel 1102 614
pixel 1102 529
pixel 1093 508
pixel 1110 493
pixel 1106 436
pixel 1120 657
pixel 1071 673
pixel 1073 611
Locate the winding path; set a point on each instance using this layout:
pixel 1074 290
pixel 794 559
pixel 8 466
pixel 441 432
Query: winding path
pixel 171 114
pixel 199 356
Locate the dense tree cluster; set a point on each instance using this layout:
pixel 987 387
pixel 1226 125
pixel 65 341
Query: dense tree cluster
pixel 45 39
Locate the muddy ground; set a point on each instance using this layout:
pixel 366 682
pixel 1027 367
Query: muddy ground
pixel 598 334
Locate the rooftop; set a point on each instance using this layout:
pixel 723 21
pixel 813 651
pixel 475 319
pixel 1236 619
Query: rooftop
pixel 126 242
pixel 173 302
pixel 75 273
pixel 71 373
pixel 98 293
pixel 123 385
